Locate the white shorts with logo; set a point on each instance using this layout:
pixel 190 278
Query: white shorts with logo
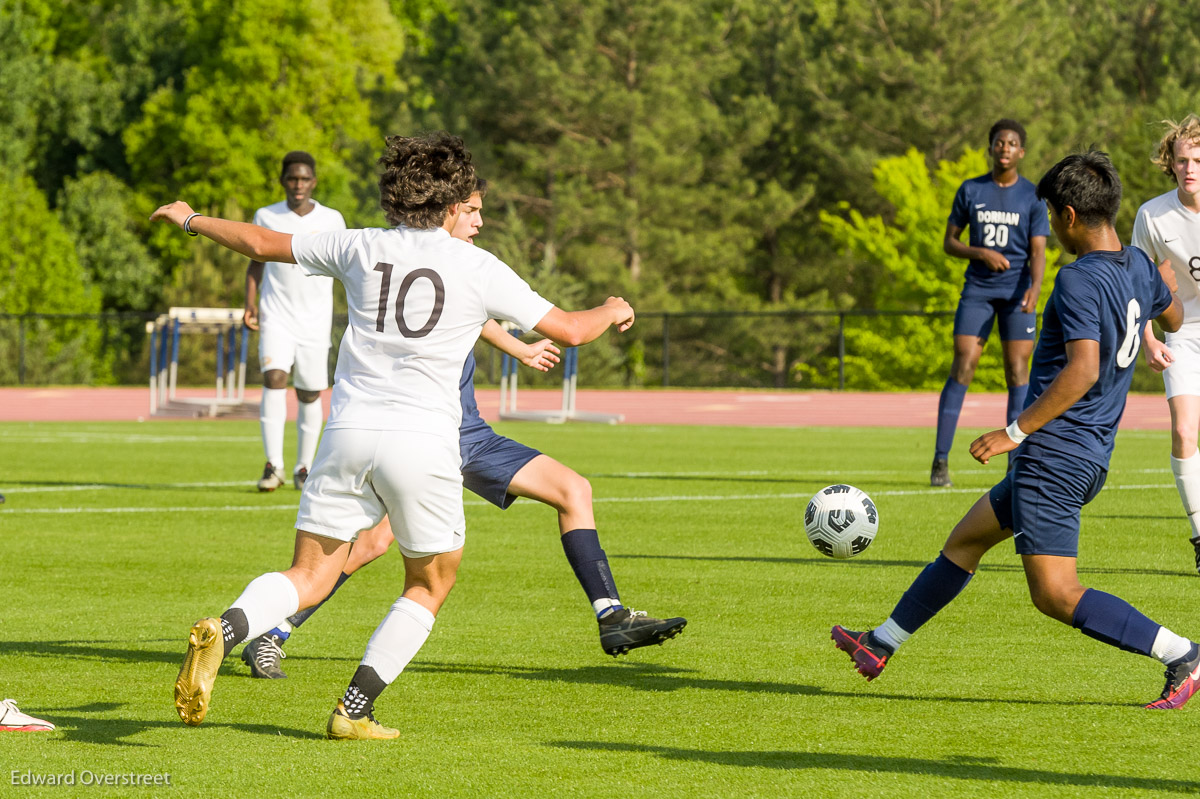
pixel 359 476
pixel 308 363
pixel 1183 375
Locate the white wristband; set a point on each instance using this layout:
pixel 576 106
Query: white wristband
pixel 187 225
pixel 1015 432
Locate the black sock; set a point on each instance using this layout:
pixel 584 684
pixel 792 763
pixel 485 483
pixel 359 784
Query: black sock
pixel 365 687
pixel 298 618
pixel 590 565
pixel 234 628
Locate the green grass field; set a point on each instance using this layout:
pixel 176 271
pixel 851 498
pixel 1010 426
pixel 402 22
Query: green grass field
pixel 116 537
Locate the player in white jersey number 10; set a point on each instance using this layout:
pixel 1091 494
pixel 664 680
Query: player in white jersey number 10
pixel 417 299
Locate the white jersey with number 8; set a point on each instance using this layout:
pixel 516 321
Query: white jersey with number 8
pixel 1167 231
pixel 417 302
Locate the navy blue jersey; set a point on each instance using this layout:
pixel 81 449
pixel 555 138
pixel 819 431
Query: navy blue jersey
pixel 473 428
pixel 1001 219
pixel 1107 297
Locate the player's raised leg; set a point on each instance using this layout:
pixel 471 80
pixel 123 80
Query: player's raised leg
pixel 265 654
pixel 935 587
pixel 264 602
pixel 621 629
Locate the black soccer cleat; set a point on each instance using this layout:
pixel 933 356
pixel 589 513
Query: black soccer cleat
pixel 868 656
pixel 1183 680
pixel 939 473
pixel 263 655
pixel 628 629
pixel 1195 545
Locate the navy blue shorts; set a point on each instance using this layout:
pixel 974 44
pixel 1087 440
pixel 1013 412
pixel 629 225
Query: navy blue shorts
pixel 1040 499
pixel 977 310
pixel 489 465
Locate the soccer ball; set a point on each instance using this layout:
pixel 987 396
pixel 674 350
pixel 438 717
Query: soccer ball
pixel 841 521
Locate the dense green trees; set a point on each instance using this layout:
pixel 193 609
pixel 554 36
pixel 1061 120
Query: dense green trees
pixel 753 155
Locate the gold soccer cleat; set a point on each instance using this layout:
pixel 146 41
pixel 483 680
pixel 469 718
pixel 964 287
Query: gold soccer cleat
pixel 343 728
pixel 193 686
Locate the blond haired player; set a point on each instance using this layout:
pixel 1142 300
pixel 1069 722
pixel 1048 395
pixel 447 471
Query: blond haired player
pixel 1167 228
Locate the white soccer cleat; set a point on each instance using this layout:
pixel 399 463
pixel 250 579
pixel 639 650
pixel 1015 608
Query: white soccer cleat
pixel 271 479
pixel 13 720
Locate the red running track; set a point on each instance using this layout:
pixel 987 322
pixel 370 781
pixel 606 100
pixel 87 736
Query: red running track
pixel 698 407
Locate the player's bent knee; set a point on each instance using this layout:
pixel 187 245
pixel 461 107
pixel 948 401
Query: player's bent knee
pixel 275 379
pixel 307 397
pixel 577 493
pixel 1057 602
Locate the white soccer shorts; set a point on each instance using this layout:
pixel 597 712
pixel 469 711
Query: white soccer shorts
pixel 1183 375
pixel 308 363
pixel 360 475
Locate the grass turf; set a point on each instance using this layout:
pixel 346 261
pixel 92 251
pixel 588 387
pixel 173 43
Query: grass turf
pixel 115 537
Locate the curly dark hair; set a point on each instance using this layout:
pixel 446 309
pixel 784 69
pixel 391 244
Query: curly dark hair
pixel 422 177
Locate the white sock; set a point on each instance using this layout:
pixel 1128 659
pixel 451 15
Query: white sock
pixel 397 639
pixel 268 600
pixel 309 417
pixel 1187 480
pixel 1169 647
pixel 605 606
pixel 272 416
pixel 890 634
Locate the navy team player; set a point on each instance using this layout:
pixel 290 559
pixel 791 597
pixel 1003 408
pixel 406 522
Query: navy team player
pixel 500 470
pixel 1091 331
pixel 1007 254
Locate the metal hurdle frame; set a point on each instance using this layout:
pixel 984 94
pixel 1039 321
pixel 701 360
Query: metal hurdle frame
pixel 165 333
pixel 568 412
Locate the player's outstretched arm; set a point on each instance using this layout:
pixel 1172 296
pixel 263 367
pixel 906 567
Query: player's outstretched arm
pixel 1081 373
pixel 253 241
pixel 541 355
pixel 573 328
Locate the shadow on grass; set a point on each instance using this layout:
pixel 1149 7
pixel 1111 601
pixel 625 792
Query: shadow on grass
pixel 665 679
pixel 958 767
pixel 79 724
pixel 868 563
pixel 97 650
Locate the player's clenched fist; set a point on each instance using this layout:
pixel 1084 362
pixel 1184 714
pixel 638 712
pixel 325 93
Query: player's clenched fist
pixel 624 312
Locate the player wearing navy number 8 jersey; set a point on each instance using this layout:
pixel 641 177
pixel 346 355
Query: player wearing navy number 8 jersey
pixel 1168 229
pixel 1007 254
pixel 1063 439
pixel 417 299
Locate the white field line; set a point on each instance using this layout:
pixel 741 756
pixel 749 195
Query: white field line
pixel 797 475
pixel 115 487
pixel 605 500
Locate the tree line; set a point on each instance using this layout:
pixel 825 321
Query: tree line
pixel 741 155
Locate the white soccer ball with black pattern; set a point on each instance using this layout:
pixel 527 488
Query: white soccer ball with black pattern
pixel 841 521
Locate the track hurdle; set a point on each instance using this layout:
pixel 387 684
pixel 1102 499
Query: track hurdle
pixel 568 412
pixel 232 344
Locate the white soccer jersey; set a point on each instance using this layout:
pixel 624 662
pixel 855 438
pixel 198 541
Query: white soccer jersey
pixel 417 301
pixel 289 297
pixel 1167 231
